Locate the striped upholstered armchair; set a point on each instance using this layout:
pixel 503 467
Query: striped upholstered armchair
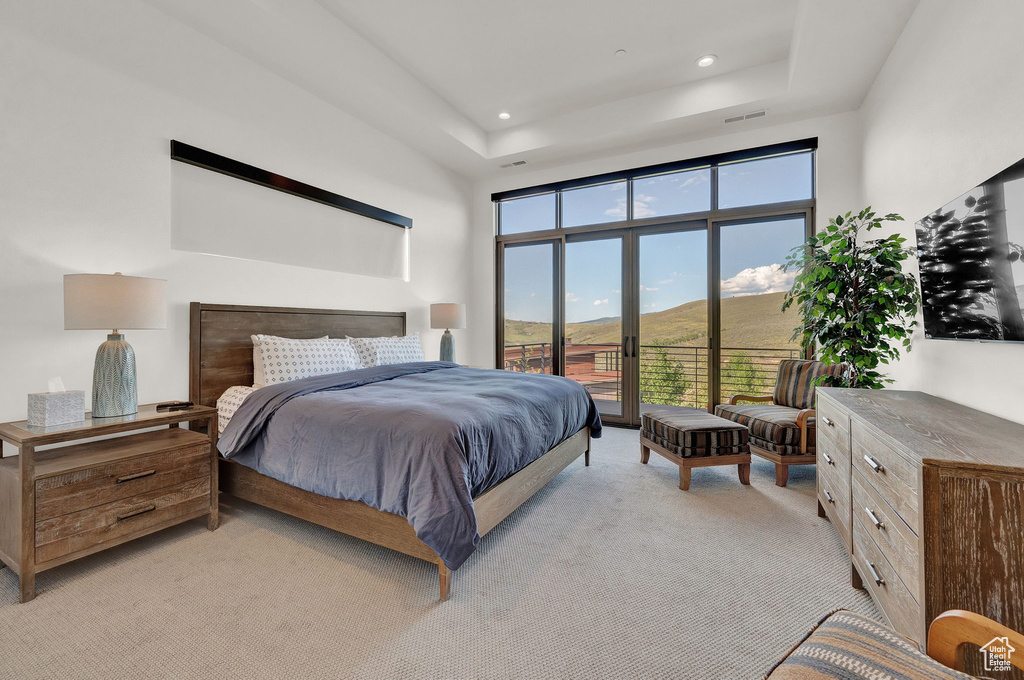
pixel 782 424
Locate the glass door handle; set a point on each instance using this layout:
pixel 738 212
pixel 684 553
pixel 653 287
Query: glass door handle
pixel 634 347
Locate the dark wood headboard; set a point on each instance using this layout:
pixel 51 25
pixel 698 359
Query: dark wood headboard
pixel 220 350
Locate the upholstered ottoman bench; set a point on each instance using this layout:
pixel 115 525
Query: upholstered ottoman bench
pixel 695 439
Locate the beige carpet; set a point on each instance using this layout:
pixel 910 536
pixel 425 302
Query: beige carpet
pixel 609 572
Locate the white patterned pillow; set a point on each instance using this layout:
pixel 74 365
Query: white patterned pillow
pixel 258 377
pixel 229 402
pixel 286 359
pixel 385 351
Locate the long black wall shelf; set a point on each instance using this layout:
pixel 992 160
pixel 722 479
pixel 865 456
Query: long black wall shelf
pixel 186 153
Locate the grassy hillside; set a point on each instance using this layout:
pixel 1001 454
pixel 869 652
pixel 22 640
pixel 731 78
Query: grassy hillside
pixel 751 321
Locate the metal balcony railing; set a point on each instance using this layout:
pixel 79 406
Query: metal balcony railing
pixel 669 375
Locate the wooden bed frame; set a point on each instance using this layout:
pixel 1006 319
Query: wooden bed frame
pixel 220 356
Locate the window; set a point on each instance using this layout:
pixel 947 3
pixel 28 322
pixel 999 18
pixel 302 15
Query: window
pixel 673 193
pixel 594 205
pixel 533 213
pixel 768 180
pixel 772 175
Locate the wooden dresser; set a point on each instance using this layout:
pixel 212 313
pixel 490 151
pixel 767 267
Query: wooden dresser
pixel 63 503
pixel 928 497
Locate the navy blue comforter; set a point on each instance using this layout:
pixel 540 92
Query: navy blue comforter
pixel 419 440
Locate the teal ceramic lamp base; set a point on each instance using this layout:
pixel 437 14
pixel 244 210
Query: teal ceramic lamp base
pixel 447 346
pixel 114 391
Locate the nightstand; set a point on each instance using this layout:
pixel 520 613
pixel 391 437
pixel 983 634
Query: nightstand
pixel 63 503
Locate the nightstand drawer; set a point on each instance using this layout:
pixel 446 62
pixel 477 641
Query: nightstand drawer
pixel 86 488
pixel 82 530
pixel 834 464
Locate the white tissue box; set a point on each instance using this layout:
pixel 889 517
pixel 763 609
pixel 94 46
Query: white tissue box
pixel 56 408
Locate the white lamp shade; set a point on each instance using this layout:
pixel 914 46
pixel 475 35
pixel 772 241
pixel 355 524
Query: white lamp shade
pixel 447 315
pixel 109 301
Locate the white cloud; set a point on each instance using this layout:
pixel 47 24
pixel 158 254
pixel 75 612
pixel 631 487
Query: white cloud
pixel 601 302
pixel 533 295
pixel 643 287
pixel 571 297
pixel 757 280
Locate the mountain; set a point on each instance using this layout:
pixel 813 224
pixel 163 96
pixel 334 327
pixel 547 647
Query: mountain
pixel 749 321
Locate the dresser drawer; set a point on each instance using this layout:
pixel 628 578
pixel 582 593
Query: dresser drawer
pixel 837 508
pixel 832 424
pixel 73 491
pixel 834 463
pixel 893 538
pixel 881 580
pixel 66 534
pixel 887 472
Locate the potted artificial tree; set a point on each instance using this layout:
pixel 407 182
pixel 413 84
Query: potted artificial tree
pixel 857 305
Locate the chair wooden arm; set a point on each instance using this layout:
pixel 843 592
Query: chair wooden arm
pixel 746 397
pixel 801 422
pixel 951 630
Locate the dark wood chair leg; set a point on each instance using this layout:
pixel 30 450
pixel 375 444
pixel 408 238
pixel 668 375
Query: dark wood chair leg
pixel 781 474
pixel 744 472
pixel 645 454
pixel 445 577
pixel 684 478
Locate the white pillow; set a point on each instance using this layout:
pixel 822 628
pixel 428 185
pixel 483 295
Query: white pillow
pixel 286 359
pixel 385 351
pixel 258 377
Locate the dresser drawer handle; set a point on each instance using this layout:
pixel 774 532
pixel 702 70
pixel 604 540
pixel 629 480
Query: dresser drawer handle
pixel 828 421
pixel 136 513
pixel 136 475
pixel 874 519
pixel 828 458
pixel 874 575
pixel 830 499
pixel 875 465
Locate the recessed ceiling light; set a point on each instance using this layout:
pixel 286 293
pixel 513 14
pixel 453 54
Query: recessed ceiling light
pixel 620 53
pixel 707 60
pixel 504 115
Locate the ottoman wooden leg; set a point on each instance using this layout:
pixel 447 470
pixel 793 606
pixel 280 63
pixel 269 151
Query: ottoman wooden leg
pixel 684 478
pixel 781 474
pixel 645 454
pixel 744 471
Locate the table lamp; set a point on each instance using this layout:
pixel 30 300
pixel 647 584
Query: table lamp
pixel 447 315
pixel 118 302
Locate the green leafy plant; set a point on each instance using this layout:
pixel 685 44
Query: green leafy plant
pixel 662 380
pixel 856 304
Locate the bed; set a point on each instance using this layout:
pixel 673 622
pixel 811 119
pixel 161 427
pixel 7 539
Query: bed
pixel 221 357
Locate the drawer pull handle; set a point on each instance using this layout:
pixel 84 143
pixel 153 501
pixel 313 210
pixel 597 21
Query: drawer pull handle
pixel 828 458
pixel 875 465
pixel 136 513
pixel 828 421
pixel 830 499
pixel 136 475
pixel 874 519
pixel 874 575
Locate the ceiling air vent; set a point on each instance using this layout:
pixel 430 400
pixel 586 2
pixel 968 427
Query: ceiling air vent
pixel 746 116
pixel 512 164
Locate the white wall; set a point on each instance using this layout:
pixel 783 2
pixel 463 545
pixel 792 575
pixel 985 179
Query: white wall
pixel 944 115
pixel 838 190
pixel 87 106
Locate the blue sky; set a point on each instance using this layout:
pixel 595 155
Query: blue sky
pixel 673 266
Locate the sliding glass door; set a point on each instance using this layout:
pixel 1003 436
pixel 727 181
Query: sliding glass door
pixel 658 287
pixel 596 297
pixel 755 333
pixel 531 324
